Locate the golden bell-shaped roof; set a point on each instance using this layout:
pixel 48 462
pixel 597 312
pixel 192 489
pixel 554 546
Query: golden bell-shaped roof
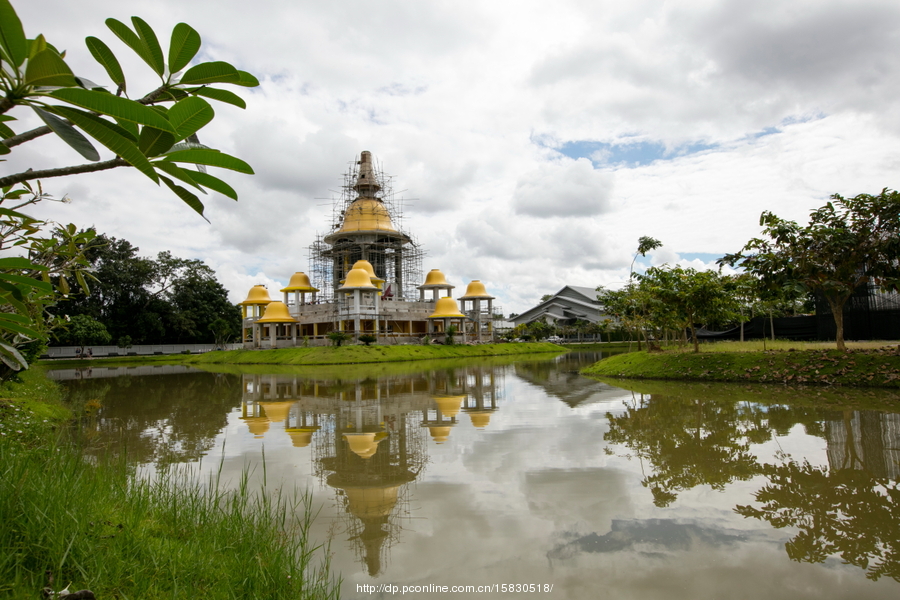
pixel 258 426
pixel 440 434
pixel 435 279
pixel 258 294
pixel 277 312
pixel 362 444
pixel 301 437
pixel 449 405
pixel 367 214
pixel 358 279
pixel 369 502
pixel 446 308
pixel 276 411
pixel 480 419
pixel 474 290
pixel 299 283
pixel 364 264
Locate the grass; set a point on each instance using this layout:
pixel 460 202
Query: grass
pixel 100 527
pixel 784 345
pixel 859 367
pixel 329 355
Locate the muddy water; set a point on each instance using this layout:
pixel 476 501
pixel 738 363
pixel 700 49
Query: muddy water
pixel 523 473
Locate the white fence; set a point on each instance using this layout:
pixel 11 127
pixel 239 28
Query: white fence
pixel 142 350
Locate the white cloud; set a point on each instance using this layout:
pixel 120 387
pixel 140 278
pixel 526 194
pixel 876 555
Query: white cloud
pixel 453 99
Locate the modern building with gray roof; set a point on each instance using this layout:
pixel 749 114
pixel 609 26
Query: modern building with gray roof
pixel 570 304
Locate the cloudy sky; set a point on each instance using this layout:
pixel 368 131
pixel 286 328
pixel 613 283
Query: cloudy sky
pixel 535 142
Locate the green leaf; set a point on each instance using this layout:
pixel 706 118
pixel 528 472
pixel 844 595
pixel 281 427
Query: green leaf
pixel 6 131
pixel 190 115
pixel 26 281
pixel 210 72
pixel 36 45
pixel 124 33
pixel 154 142
pixel 4 149
pixel 130 127
pixel 47 68
pixel 220 95
pixel 110 135
pixel 215 184
pixel 69 135
pixel 82 283
pixel 103 55
pixel 12 357
pixel 247 80
pixel 178 173
pixel 153 53
pixel 12 36
pixel 213 158
pixel 15 318
pixel 15 262
pixel 184 46
pixel 107 104
pixel 188 198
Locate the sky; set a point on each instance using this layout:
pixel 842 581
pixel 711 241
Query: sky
pixel 533 142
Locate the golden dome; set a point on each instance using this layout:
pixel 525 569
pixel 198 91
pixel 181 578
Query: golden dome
pixel 299 283
pixel 446 307
pixel 367 214
pixel 475 290
pixel 301 437
pixel 449 405
pixel 367 266
pixel 363 444
pixel 371 502
pixel 277 312
pixel 480 419
pixel 258 426
pixel 358 279
pixel 276 411
pixel 440 434
pixel 258 294
pixel 435 279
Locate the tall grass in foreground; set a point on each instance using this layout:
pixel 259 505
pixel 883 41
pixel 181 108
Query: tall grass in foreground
pixel 100 527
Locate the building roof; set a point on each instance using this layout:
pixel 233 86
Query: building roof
pixel 571 302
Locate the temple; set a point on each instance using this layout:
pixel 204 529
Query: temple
pixel 366 280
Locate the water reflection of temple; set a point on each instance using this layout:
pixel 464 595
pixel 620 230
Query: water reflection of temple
pixel 867 440
pixel 369 437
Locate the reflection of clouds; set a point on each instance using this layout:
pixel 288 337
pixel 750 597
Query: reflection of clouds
pixel 588 499
pixel 651 535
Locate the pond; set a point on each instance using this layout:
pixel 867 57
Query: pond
pixel 521 472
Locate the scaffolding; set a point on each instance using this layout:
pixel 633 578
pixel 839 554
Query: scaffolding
pixel 396 256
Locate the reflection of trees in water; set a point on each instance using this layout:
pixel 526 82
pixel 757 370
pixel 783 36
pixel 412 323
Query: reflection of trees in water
pixel 161 419
pixel 848 512
pixel 687 443
pixel 850 509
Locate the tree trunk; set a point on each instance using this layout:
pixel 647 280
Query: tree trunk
pixel 772 325
pixel 837 311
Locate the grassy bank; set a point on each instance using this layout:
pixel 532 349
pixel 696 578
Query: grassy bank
pixel 876 367
pixel 328 355
pixel 99 527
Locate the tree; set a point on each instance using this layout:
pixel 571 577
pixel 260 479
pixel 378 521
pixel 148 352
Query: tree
pixel 84 330
pixel 847 243
pixel 848 512
pixel 685 297
pixel 32 283
pixel 152 134
pixel 166 300
pixel 338 337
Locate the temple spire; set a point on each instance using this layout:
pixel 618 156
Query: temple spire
pixel 366 183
